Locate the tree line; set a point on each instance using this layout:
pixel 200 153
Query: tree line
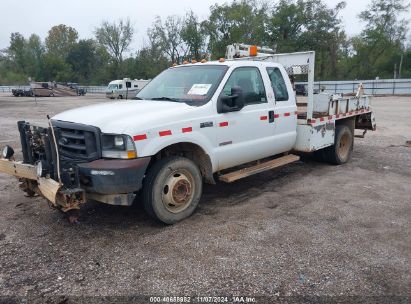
pixel 380 50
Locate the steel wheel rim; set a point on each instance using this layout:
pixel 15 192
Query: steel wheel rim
pixel 178 191
pixel 344 146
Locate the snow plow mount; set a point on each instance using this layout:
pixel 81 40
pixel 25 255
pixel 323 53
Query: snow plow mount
pixel 58 196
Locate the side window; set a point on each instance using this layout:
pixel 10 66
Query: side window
pixel 120 86
pixel 278 84
pixel 250 81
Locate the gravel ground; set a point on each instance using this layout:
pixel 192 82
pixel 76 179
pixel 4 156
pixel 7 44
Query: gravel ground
pixel 339 233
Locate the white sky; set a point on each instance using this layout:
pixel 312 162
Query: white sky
pixel 28 16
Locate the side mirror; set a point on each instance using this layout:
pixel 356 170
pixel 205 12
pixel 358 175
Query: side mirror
pixel 231 103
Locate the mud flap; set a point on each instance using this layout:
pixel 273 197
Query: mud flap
pixel 366 122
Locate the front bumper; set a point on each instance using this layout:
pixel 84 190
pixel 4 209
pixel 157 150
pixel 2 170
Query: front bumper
pixel 108 181
pixel 113 176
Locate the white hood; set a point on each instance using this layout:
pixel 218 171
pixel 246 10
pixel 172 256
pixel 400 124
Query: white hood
pixel 119 117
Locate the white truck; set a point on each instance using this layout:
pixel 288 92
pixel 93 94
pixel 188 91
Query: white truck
pixel 193 123
pixel 125 88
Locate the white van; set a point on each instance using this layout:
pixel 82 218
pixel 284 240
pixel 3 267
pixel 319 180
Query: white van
pixel 126 88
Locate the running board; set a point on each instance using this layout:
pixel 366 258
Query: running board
pixel 261 167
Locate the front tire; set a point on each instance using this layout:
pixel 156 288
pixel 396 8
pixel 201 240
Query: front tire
pixel 172 189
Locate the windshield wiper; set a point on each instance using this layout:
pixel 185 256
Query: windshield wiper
pixel 165 98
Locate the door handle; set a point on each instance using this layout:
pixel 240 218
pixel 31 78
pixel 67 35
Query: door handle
pixel 270 116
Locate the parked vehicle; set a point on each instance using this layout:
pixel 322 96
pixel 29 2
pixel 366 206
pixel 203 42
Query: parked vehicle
pixel 301 89
pixel 193 123
pixel 75 86
pixel 125 88
pixel 22 92
pixel 44 89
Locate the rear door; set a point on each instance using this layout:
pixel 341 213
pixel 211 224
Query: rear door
pixel 285 107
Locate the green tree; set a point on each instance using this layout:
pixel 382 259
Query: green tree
pixel 193 36
pixel 167 37
pixel 116 38
pixel 60 39
pixel 309 25
pixel 83 59
pixel 241 21
pixel 379 47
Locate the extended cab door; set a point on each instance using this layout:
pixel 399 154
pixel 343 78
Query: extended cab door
pixel 251 133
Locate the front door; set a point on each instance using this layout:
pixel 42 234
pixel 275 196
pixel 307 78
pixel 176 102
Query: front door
pixel 265 126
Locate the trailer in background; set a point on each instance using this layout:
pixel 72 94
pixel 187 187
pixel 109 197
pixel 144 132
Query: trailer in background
pixel 125 89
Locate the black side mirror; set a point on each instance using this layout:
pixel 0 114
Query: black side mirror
pixel 231 103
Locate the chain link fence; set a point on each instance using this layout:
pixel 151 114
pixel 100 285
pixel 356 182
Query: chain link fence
pixel 371 87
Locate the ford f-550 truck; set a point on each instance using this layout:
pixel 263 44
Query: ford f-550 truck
pixel 193 123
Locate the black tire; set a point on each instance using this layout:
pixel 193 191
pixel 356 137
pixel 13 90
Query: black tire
pixel 167 205
pixel 341 151
pixel 120 97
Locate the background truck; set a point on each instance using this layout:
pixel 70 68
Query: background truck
pixel 194 123
pixel 126 88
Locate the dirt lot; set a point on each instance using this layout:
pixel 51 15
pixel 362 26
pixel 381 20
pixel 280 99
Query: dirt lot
pixel 309 229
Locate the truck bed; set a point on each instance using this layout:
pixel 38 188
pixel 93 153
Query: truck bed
pixel 319 131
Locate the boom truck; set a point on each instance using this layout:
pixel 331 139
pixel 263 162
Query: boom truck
pixel 193 123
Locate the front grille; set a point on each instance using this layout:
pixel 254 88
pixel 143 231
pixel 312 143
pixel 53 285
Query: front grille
pixel 77 141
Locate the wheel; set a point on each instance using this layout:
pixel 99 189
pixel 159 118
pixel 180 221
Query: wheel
pixel 51 94
pixel 341 151
pixel 172 189
pixel 120 97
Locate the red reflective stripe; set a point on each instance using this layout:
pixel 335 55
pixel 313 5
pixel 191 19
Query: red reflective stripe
pixel 321 118
pixel 263 117
pixel 276 115
pixel 224 124
pixel 287 114
pixel 311 121
pixel 139 137
pixel 187 130
pixel 165 133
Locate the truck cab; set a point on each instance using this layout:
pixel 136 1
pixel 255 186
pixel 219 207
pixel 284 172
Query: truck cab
pixel 191 124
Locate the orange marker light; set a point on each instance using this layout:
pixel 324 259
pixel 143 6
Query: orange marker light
pixel 253 50
pixel 185 62
pixel 174 64
pixel 193 61
pixel 221 60
pixel 203 61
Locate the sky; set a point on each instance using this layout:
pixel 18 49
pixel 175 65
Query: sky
pixel 28 16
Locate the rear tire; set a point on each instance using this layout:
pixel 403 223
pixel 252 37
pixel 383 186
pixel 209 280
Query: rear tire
pixel 341 151
pixel 172 189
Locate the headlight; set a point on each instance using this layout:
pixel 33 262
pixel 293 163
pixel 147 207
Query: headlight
pixel 42 168
pixel 7 152
pixel 118 141
pixel 118 146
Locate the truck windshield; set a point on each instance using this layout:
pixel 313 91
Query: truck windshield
pixel 193 85
pixel 111 87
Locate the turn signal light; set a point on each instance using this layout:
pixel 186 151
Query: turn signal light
pixel 131 154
